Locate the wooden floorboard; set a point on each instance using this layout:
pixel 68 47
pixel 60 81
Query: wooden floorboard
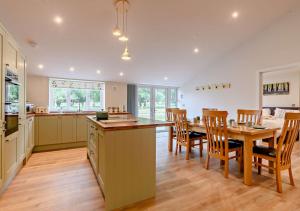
pixel 63 180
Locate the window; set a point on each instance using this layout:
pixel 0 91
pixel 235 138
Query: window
pixel 75 95
pixel 152 101
pixel 172 97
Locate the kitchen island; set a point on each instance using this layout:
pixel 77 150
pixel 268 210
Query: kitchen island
pixel 122 153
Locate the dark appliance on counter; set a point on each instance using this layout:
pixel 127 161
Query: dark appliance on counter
pixel 102 115
pixel 11 102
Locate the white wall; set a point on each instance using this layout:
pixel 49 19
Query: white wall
pixel 115 94
pixel 275 46
pixel 293 77
pixel 38 92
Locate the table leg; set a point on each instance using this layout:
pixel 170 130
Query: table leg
pixel 170 145
pixel 248 152
pixel 272 142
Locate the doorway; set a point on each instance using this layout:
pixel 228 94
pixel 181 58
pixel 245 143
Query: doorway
pixel 152 101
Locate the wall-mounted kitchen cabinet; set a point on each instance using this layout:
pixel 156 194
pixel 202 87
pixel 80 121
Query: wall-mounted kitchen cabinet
pixel 11 54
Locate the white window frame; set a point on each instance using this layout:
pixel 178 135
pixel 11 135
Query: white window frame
pixel 74 80
pixel 152 97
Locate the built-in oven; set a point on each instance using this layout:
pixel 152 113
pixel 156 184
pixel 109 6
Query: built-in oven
pixel 12 87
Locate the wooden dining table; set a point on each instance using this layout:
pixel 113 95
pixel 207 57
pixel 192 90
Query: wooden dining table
pixel 243 133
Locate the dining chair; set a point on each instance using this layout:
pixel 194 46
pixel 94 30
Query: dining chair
pixel 169 114
pixel 219 146
pixel 183 136
pixel 249 116
pixel 281 155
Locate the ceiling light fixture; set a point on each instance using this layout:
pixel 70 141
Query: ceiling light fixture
pixel 121 74
pixel 196 50
pixel 58 20
pixel 117 31
pixel 126 55
pixel 98 72
pixel 72 69
pixel 122 7
pixel 124 3
pixel 235 15
pixel 40 66
pixel 166 78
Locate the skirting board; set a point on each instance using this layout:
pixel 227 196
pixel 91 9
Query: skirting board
pixel 59 146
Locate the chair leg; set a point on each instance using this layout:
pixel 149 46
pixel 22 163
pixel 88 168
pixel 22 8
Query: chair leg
pixel 176 148
pixel 291 177
pixel 187 154
pixel 207 161
pixel 259 160
pixel 255 158
pixel 278 179
pixel 180 148
pixel 201 148
pixel 226 168
pixel 240 161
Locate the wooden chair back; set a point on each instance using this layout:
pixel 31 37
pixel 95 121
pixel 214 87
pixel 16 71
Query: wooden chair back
pixel 209 109
pixel 287 139
pixel 248 116
pixel 216 131
pixel 169 114
pixel 181 125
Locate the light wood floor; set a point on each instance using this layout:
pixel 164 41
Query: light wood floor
pixel 63 180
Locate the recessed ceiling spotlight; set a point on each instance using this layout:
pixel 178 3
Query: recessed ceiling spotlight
pixel 235 15
pixel 196 50
pixel 98 71
pixel 40 66
pixel 72 69
pixel 58 19
pixel 121 74
pixel 166 78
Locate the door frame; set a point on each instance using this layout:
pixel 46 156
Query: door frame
pixel 261 72
pixel 152 97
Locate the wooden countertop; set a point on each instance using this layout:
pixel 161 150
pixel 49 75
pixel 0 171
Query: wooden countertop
pixel 71 114
pixel 140 123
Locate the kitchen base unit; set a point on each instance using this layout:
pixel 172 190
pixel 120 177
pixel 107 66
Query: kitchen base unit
pixel 123 157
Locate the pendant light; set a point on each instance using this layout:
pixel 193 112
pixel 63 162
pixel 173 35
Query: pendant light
pixel 126 55
pixel 117 31
pixel 124 37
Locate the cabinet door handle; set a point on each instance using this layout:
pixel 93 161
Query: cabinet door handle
pixel 6 140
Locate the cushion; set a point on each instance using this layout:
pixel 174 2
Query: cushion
pixel 266 112
pixel 279 113
pixel 232 144
pixel 194 135
pixel 268 151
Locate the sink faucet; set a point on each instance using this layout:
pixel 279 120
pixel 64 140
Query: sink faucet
pixel 78 106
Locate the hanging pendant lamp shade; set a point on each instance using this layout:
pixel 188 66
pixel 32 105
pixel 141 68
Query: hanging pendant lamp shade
pixel 116 31
pixel 126 56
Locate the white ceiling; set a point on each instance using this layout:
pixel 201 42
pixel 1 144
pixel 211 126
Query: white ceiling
pixel 163 34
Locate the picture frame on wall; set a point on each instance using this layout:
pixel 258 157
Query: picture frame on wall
pixel 276 88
